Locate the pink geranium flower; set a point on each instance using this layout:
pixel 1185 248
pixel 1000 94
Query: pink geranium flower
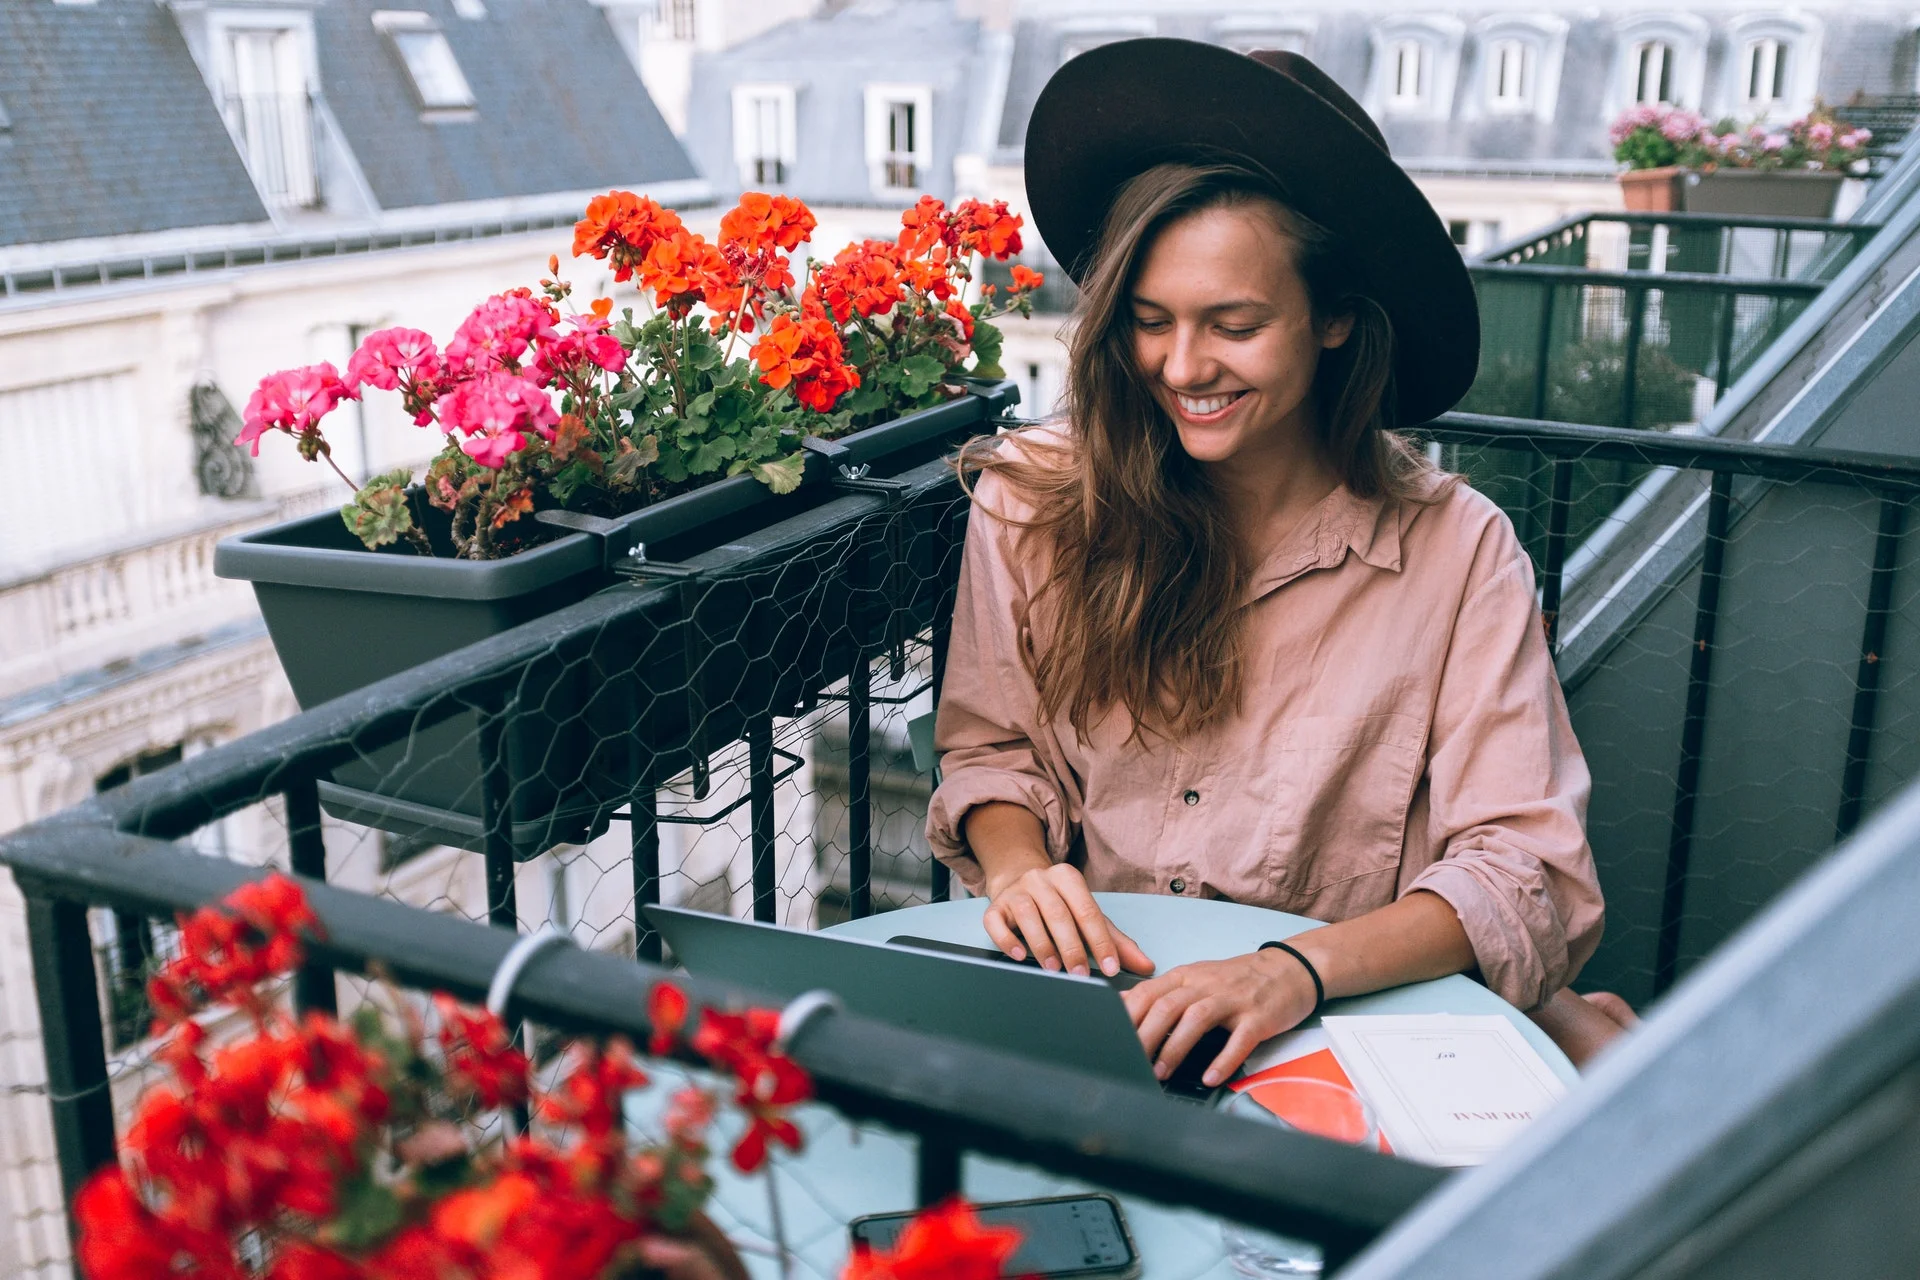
pixel 294 401
pixel 390 357
pixel 568 354
pixel 497 333
pixel 493 412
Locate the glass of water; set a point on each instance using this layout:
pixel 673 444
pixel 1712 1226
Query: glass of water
pixel 1318 1107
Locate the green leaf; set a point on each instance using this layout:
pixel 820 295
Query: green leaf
pixel 379 513
pixel 782 475
pixel 917 373
pixel 987 343
pixel 367 1214
pixel 627 464
pixel 700 405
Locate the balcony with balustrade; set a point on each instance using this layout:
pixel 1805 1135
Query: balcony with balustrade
pixel 1679 414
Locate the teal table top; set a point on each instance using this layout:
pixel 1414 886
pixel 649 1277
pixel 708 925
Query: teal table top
pixel 846 1171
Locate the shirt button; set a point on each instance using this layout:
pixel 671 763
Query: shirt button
pixel 1178 885
pixel 1192 797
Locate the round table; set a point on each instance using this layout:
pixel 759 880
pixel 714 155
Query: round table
pixel 845 1172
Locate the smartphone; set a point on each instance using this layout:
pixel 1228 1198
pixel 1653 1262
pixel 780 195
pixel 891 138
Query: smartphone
pixel 1060 1236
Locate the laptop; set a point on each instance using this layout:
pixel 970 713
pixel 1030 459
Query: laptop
pixel 938 988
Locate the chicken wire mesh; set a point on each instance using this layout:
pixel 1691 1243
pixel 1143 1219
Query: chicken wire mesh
pixel 732 726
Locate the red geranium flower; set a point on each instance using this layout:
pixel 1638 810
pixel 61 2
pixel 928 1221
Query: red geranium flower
pixel 622 227
pixel 946 1242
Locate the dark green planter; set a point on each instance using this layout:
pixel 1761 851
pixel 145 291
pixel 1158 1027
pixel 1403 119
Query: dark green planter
pixel 342 617
pixel 1774 193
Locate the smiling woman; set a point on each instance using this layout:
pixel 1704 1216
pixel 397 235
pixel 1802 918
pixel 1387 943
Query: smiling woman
pixel 1222 631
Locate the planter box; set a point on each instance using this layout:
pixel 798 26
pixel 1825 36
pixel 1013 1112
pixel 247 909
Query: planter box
pixel 342 617
pixel 1652 190
pixel 1782 193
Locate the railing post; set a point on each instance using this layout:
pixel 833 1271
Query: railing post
pixel 1554 562
pixel 496 810
pixel 760 808
pixel 1692 733
pixel 77 1089
pixel 1543 353
pixel 313 985
pixel 1866 685
pixel 1723 374
pixel 644 829
pixel 860 784
pixel 1630 360
pixel 936 1170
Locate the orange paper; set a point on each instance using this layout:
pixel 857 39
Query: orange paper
pixel 1269 1087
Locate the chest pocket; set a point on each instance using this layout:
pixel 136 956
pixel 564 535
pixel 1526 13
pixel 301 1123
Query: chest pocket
pixel 1340 801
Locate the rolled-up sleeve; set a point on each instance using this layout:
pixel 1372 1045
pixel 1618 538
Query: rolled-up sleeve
pixel 994 745
pixel 1507 790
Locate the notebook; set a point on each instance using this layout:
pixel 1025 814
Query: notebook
pixel 1448 1089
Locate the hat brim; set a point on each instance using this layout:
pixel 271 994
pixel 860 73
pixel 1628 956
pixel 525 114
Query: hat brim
pixel 1121 108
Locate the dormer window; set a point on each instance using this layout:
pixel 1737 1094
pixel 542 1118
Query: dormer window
pixel 1078 35
pixel 1776 59
pixel 1416 62
pixel 437 79
pixel 1510 75
pixel 1764 72
pixel 1519 63
pixel 1653 72
pixel 264 77
pixel 1249 34
pixel 899 137
pixel 764 142
pixel 1661 58
pixel 1409 60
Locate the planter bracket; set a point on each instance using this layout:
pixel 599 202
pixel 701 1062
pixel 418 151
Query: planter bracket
pixel 613 537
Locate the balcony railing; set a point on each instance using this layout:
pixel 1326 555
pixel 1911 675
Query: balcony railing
pixel 1643 320
pixel 695 699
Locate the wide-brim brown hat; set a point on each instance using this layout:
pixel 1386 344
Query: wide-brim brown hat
pixel 1121 108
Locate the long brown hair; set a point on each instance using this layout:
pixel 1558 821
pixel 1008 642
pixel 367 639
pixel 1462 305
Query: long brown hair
pixel 1141 544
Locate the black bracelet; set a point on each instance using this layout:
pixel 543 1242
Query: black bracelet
pixel 1319 988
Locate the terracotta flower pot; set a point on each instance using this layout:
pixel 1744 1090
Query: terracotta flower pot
pixel 1652 190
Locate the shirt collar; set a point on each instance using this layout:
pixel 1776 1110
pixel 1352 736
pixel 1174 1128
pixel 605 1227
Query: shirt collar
pixel 1368 527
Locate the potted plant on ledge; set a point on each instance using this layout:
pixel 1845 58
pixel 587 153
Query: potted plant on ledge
pixel 576 434
pixel 1677 161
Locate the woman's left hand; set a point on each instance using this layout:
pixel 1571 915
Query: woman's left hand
pixel 1255 997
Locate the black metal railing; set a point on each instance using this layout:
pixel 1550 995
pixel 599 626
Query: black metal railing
pixel 695 691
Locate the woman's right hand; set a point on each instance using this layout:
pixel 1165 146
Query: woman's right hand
pixel 1050 911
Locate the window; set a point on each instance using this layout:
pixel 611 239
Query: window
pixel 269 111
pixel 1652 72
pixel 674 19
pixel 1078 35
pixel 1408 63
pixel 763 133
pixel 1764 71
pixel 1662 59
pixel 1510 75
pixel 1247 34
pixel 436 75
pixel 42 429
pixel 899 137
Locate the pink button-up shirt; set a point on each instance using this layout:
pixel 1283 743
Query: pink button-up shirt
pixel 1402 728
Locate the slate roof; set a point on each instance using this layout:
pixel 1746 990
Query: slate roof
pixel 557 104
pixel 831 59
pixel 113 130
